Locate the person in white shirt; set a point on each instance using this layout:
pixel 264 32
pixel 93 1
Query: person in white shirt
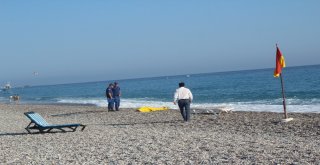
pixel 184 98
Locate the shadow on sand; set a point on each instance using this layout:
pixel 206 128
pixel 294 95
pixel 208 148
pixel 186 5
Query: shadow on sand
pixel 139 123
pixel 76 113
pixel 33 133
pixel 14 134
pixel 102 124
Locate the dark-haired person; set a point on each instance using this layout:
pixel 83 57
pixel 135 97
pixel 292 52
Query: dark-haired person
pixel 109 95
pixel 184 98
pixel 116 95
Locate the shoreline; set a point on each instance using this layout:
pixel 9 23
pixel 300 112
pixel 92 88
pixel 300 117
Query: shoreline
pixel 192 107
pixel 161 137
pixel 49 104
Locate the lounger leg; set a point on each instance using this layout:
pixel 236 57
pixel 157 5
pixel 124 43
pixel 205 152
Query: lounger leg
pixel 49 130
pixel 35 126
pixel 61 129
pixel 83 127
pixel 27 128
pixel 73 128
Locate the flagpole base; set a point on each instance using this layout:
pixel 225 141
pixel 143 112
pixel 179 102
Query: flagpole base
pixel 286 120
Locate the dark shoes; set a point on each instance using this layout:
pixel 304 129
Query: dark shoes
pixel 113 110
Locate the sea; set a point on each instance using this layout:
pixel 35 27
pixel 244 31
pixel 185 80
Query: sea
pixel 247 90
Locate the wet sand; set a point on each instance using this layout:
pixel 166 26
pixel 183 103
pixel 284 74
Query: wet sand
pixel 130 137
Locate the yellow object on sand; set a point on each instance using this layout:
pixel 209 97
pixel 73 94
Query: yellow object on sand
pixel 151 109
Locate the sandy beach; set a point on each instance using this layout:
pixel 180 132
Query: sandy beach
pixel 130 137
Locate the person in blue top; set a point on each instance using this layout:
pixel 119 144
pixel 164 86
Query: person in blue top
pixel 116 95
pixel 110 98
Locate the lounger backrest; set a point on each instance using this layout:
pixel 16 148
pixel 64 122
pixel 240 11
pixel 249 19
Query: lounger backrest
pixel 38 119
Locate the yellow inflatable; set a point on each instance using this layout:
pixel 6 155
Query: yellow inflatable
pixel 151 109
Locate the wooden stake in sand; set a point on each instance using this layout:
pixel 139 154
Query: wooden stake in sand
pixel 286 119
pixel 280 63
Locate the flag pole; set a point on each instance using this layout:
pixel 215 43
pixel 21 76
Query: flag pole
pixel 283 98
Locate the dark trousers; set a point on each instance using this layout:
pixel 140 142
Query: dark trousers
pixel 110 103
pixel 117 102
pixel 184 105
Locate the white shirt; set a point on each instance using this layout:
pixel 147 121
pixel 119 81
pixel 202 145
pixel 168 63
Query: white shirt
pixel 182 93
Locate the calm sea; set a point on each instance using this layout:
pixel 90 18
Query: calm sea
pixel 251 90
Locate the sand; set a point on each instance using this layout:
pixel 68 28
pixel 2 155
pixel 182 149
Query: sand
pixel 130 137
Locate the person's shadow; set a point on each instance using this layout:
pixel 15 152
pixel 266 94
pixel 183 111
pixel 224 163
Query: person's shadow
pixel 76 113
pixel 14 134
pixel 33 133
pixel 138 123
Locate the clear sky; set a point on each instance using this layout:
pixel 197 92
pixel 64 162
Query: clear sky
pixel 67 41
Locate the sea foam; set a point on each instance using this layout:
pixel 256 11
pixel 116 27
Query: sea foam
pixel 235 106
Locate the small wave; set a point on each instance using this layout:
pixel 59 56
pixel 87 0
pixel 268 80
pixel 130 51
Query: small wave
pixel 135 103
pixel 259 106
pixel 92 101
pixel 125 103
pixel 276 108
pixel 295 101
pixel 290 101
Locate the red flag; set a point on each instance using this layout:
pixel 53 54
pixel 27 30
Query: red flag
pixel 280 63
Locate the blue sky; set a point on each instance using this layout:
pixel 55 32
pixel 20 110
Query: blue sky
pixel 83 41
